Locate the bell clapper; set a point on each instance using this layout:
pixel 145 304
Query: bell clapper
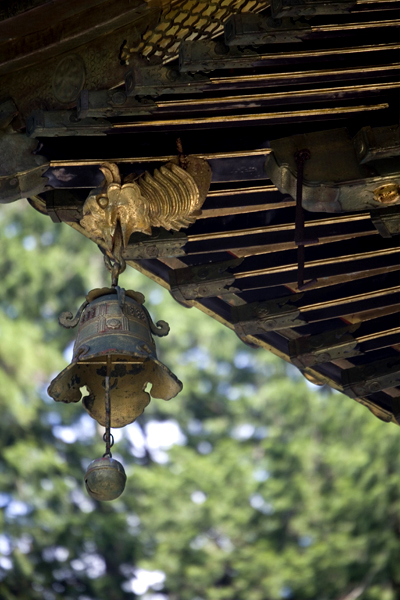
pixel 105 477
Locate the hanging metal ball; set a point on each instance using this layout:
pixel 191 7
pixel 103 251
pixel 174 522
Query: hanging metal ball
pixel 105 479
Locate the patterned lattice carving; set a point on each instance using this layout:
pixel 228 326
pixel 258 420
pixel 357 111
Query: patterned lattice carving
pixel 188 20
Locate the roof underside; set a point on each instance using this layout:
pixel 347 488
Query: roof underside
pixel 235 87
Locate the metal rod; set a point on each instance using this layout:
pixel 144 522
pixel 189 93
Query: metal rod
pixel 301 157
pixel 108 409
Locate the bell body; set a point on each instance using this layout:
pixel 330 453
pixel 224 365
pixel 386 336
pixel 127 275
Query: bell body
pixel 105 478
pixel 120 334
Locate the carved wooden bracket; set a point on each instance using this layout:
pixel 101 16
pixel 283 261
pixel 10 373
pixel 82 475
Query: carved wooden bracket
pixel 171 198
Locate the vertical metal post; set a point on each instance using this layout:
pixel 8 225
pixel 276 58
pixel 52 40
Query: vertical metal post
pixel 107 435
pixel 299 238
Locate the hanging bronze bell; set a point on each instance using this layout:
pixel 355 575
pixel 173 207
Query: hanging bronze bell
pixel 105 479
pixel 114 328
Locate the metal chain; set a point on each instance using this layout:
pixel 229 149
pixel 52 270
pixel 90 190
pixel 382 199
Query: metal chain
pixel 115 267
pixel 114 261
pixel 108 437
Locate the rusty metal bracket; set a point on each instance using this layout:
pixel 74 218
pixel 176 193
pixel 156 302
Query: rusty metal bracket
pixel 387 220
pixel 161 243
pixel 112 103
pixel 377 143
pixel 21 168
pixel 153 80
pixel 371 378
pixel 203 55
pixel 310 8
pixel 318 349
pixel 259 317
pixel 203 281
pixel 63 123
pixel 249 29
pixel 378 411
pixel 334 180
pixel 64 206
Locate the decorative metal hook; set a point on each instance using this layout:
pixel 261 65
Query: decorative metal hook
pixel 67 319
pixel 161 328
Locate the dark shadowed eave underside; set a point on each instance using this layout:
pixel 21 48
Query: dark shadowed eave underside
pixel 227 99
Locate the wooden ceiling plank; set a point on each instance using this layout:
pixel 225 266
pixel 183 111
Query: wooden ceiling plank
pixel 210 59
pixel 281 247
pixel 333 112
pixel 298 96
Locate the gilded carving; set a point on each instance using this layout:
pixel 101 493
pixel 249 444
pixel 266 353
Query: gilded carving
pixel 170 198
pixel 388 193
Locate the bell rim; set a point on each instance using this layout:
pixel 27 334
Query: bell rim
pixel 73 365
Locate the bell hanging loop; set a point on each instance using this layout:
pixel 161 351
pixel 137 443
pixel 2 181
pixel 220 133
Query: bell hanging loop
pixel 114 260
pixel 115 266
pixel 108 439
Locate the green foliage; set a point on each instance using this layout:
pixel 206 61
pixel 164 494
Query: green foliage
pixel 271 490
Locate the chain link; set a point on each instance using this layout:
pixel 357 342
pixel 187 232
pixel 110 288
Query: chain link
pixel 116 267
pixel 114 261
pixel 108 437
pixel 107 434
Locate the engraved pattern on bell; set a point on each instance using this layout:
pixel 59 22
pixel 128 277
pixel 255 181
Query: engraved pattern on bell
pixel 114 324
pixel 104 314
pixel 105 479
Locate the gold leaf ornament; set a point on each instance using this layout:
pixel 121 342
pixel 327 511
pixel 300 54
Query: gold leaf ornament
pixel 170 198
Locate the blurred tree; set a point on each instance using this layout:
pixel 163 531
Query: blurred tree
pixel 250 485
